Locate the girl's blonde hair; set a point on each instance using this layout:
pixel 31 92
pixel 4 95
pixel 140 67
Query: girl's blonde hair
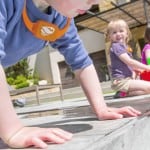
pixel 117 24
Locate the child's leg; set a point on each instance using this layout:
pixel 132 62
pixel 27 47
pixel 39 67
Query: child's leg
pixel 121 84
pixel 139 87
pixel 135 93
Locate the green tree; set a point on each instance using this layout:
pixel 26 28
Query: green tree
pixel 21 68
pixel 20 75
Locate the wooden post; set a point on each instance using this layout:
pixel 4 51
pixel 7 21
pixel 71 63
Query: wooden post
pixel 61 92
pixel 37 94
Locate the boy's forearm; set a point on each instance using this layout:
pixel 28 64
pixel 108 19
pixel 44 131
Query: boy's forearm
pixel 9 120
pixel 90 83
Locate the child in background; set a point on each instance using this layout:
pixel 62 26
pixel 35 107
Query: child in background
pixel 22 33
pixel 145 59
pixel 146 50
pixel 123 66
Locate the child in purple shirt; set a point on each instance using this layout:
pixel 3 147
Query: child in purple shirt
pixel 123 66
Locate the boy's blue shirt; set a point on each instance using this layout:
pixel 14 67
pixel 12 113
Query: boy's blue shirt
pixel 16 42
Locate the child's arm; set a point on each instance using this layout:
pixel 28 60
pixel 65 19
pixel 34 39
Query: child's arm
pixel 134 75
pixel 12 130
pixel 136 65
pixel 91 86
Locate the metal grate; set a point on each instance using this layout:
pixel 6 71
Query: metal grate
pixel 135 13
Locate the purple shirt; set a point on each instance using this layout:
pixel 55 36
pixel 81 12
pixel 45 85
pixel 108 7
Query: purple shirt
pixel 143 59
pixel 118 67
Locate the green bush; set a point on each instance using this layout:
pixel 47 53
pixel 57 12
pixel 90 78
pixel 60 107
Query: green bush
pixel 20 79
pixel 20 75
pixel 22 85
pixel 21 68
pixel 10 80
pixel 35 81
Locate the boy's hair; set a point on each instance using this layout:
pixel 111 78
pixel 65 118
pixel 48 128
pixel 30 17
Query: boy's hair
pixel 147 33
pixel 119 23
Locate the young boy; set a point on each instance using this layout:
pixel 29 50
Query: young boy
pixel 22 33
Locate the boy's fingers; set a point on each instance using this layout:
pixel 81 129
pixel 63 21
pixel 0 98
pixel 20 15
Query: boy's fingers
pixel 37 143
pixel 53 138
pixel 112 115
pixel 62 134
pixel 55 135
pixel 129 111
pixel 118 113
pixel 135 111
pixel 48 137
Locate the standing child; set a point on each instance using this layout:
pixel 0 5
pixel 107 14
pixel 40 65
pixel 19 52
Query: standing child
pixel 146 50
pixel 25 28
pixel 123 66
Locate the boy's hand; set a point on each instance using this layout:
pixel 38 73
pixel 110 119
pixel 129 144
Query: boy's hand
pixel 118 113
pixel 37 137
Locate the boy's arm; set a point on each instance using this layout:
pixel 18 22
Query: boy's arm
pixel 12 130
pixel 90 83
pixel 9 122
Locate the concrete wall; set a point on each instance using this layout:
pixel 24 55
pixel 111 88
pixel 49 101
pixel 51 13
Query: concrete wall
pixel 89 37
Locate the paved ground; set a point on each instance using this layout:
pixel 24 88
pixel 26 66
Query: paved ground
pixel 52 94
pixel 77 117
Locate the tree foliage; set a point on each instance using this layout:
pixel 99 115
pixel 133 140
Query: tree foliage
pixel 20 75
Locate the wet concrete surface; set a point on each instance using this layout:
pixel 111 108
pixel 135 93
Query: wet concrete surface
pixel 77 117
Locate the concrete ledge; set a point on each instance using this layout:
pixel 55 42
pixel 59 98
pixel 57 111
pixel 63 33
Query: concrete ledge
pixel 90 133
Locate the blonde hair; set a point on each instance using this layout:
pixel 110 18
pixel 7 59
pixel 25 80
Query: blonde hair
pixel 117 24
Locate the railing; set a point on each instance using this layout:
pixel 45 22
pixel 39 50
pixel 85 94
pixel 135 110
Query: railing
pixel 37 88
